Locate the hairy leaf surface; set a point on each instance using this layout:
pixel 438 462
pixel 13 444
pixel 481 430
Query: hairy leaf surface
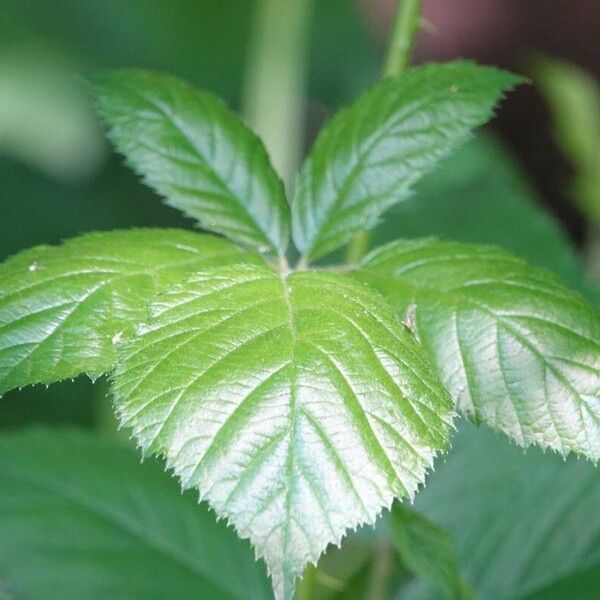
pixel 197 154
pixel 515 348
pixel 81 518
pixel 64 309
pixel 368 156
pixel 299 406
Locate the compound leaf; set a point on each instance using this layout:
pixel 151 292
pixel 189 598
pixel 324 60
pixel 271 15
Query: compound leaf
pixel 81 518
pixel 197 154
pixel 515 348
pixel 368 156
pixel 299 406
pixel 64 309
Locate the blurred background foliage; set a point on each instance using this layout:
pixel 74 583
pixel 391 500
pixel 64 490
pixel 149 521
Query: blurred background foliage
pixel 530 184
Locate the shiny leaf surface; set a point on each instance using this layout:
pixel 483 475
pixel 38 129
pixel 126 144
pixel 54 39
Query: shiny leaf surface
pixel 197 154
pixel 515 348
pixel 64 309
pixel 479 195
pixel 369 156
pixel 299 406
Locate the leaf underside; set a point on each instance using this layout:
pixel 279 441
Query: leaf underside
pixel 197 154
pixel 65 309
pixel 299 407
pixel 368 157
pixel 515 348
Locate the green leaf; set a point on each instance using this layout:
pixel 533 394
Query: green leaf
pixel 81 518
pixel 480 196
pixel 64 309
pixel 197 154
pixel 514 347
pixel 428 551
pixel 3 593
pixel 363 567
pixel 369 156
pixel 523 522
pixel 582 584
pixel 299 406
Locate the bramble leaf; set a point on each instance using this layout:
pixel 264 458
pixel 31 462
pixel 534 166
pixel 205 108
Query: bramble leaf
pixel 514 347
pixel 64 309
pixel 81 518
pixel 368 156
pixel 197 154
pixel 476 196
pixel 299 406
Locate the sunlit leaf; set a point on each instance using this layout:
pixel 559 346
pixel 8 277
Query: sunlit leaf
pixel 369 156
pixel 65 309
pixel 299 406
pixel 515 348
pixel 480 195
pixel 197 154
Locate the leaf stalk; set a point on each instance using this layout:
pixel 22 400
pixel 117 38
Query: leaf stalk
pixel 406 27
pixel 274 94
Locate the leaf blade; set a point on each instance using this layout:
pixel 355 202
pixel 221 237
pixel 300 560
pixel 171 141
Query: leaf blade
pixel 515 348
pixel 550 534
pixel 368 157
pixel 64 309
pixel 197 154
pixel 81 518
pixel 479 196
pixel 260 416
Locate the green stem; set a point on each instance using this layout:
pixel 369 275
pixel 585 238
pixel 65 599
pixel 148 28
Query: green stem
pixel 380 573
pixel 306 587
pixel 358 246
pixel 274 96
pixel 406 26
